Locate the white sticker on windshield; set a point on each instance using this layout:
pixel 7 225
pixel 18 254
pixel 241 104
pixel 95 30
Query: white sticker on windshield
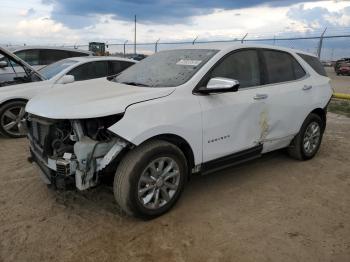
pixel 189 62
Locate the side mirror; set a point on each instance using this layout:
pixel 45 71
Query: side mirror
pixel 220 85
pixel 3 64
pixel 66 79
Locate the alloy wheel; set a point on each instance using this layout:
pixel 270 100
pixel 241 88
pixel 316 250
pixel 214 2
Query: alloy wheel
pixel 312 137
pixel 11 119
pixel 159 183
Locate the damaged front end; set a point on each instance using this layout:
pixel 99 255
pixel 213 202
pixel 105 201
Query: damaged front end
pixel 74 151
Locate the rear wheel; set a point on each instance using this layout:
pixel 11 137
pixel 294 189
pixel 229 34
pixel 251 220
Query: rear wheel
pixel 11 114
pixel 307 142
pixel 150 179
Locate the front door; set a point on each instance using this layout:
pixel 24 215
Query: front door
pixel 232 121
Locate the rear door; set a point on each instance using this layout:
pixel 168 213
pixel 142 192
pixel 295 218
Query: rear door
pixel 231 121
pixel 288 92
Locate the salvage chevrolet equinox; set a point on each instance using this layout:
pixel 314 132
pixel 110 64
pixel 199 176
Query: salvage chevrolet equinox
pixel 178 112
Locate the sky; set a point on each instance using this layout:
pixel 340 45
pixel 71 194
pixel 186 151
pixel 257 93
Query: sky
pixel 68 22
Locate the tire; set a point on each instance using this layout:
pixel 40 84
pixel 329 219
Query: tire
pixel 12 113
pixel 135 174
pixel 298 149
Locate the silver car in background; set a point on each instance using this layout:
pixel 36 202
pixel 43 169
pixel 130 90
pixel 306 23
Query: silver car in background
pixel 37 57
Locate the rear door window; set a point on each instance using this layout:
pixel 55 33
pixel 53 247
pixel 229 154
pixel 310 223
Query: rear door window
pixel 281 67
pixel 89 70
pixel 115 67
pixel 49 56
pixel 242 66
pixel 315 63
pixel 75 54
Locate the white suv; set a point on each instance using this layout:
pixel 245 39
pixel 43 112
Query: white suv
pixel 176 113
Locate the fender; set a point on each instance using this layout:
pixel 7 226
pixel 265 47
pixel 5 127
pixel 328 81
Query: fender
pixel 148 119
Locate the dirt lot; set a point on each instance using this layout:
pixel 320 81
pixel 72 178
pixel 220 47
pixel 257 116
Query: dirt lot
pixel 271 209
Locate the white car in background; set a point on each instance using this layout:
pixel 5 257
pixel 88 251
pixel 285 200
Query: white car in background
pixel 177 112
pixel 37 57
pixel 13 98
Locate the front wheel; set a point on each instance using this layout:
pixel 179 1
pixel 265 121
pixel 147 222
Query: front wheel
pixel 150 179
pixel 307 142
pixel 11 114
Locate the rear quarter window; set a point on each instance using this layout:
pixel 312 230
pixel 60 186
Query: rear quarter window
pixel 315 63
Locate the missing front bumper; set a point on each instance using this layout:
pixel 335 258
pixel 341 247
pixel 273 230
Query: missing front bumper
pixel 51 177
pixel 80 169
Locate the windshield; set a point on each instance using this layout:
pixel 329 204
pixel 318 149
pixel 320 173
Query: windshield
pixel 53 69
pixel 167 68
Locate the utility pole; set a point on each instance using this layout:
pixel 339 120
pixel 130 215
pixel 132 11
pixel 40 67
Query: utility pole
pixel 156 46
pixel 135 37
pixel 332 54
pixel 124 47
pixel 194 40
pixel 319 49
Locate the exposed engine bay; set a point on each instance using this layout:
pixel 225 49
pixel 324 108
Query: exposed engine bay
pixel 73 151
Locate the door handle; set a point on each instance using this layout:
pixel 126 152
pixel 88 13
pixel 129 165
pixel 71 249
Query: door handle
pixel 307 87
pixel 260 96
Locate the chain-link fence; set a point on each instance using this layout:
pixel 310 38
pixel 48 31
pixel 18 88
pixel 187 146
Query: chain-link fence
pixel 329 47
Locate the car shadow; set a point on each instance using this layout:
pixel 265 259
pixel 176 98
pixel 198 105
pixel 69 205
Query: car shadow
pixel 101 199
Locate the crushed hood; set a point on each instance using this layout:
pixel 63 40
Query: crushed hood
pixel 92 98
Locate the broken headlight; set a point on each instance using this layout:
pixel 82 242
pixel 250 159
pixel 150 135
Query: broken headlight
pixel 97 128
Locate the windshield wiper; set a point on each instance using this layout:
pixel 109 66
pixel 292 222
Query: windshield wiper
pixel 134 84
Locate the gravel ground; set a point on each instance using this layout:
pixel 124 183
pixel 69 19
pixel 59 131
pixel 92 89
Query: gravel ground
pixel 271 209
